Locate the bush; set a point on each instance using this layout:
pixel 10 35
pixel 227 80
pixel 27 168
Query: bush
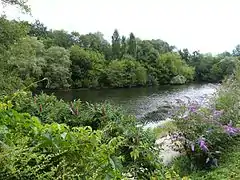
pixel 31 150
pixel 136 151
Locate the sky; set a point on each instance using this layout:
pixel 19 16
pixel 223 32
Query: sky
pixel 205 25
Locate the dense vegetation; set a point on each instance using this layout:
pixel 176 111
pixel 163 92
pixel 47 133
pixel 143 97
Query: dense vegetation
pixel 31 52
pixel 209 135
pixel 42 137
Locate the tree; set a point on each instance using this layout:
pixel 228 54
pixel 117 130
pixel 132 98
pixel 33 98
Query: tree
pixel 170 65
pixel 22 4
pixel 236 51
pixel 60 38
pixel 80 65
pixel 126 73
pixel 222 68
pixel 26 58
pixel 11 32
pixel 96 42
pixel 146 52
pixel 38 30
pixel 185 55
pixel 58 67
pixel 123 46
pixel 203 68
pixel 224 54
pixel 116 45
pixel 132 45
pixel 87 67
pixel 75 36
pixel 161 46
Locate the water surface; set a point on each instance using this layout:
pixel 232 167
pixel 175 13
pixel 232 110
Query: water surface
pixel 140 101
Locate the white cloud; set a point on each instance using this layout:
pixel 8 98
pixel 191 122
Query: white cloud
pixel 207 25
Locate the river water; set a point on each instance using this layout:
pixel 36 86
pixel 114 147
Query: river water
pixel 140 101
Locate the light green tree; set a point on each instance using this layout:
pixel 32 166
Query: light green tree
pixel 57 68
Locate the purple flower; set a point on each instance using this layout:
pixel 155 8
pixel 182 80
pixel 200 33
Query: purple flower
pixel 203 145
pixel 192 108
pixel 231 130
pixel 192 147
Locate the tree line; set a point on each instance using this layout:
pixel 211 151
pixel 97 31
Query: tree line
pixel 32 52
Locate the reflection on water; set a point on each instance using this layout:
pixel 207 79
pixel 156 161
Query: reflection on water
pixel 139 101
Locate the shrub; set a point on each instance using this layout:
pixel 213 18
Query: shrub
pixel 137 152
pixel 206 132
pixel 31 150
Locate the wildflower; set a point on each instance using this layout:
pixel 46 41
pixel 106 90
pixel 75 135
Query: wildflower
pixel 231 130
pixel 203 145
pixel 192 147
pixel 193 107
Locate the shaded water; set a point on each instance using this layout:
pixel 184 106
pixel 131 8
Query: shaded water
pixel 140 101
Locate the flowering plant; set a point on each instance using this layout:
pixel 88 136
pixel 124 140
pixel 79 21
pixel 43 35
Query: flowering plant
pixel 202 134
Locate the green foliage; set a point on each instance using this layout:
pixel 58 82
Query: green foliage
pixel 136 154
pixel 92 57
pixel 228 169
pixel 210 68
pixel 61 38
pixel 11 32
pixel 132 45
pixel 58 67
pixel 170 65
pixel 37 29
pixel 228 99
pixel 27 58
pixel 116 45
pixel 31 150
pixel 125 73
pixel 22 4
pixel 87 65
pixel 9 83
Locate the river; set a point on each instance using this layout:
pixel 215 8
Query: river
pixel 140 101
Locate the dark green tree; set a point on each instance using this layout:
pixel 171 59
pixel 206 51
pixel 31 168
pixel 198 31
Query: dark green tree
pixel 38 30
pixel 185 55
pixel 132 45
pixel 61 38
pixel 116 45
pixel 123 46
